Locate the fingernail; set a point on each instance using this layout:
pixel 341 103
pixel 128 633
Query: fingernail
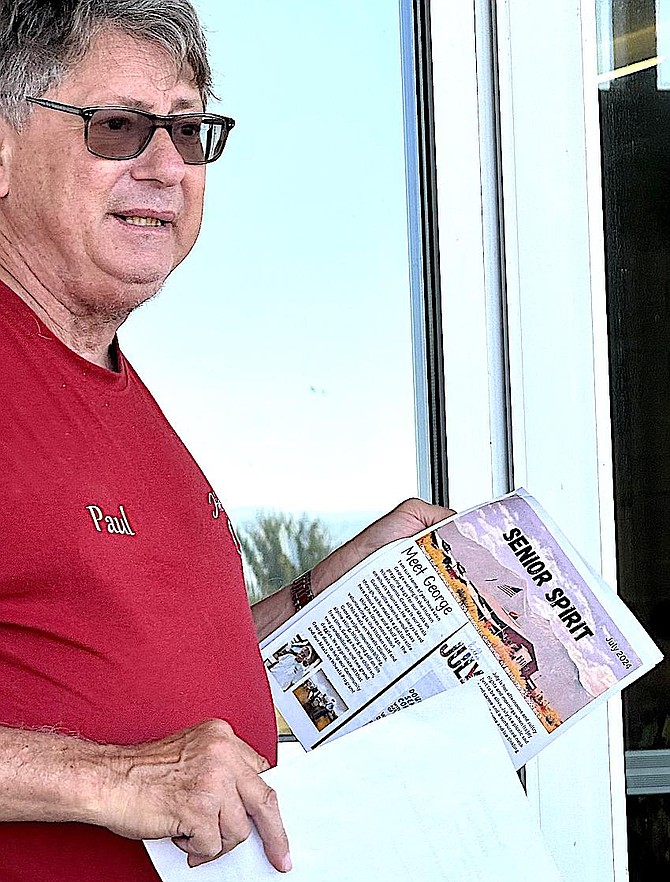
pixel 287 863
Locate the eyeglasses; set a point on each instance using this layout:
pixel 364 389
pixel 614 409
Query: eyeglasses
pixel 123 133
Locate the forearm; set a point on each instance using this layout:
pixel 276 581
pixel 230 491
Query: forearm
pixel 50 777
pixel 407 519
pixel 200 786
pixel 271 612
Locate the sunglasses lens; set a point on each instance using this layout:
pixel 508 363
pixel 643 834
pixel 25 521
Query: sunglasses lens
pixel 198 140
pixel 115 133
pixel 118 134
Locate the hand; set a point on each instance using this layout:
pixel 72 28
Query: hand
pixel 201 787
pixel 407 519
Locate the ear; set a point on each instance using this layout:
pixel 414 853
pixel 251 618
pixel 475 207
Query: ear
pixel 7 137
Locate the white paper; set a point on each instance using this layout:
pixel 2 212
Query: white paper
pixel 426 794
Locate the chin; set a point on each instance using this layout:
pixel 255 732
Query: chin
pixel 149 265
pixel 135 285
pixel 139 273
pixel 115 301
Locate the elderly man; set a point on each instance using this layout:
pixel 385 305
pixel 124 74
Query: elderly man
pixel 133 700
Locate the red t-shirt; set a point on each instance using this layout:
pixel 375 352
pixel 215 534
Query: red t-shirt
pixel 123 612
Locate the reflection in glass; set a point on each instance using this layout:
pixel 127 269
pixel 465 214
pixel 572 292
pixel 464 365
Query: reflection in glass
pixel 635 126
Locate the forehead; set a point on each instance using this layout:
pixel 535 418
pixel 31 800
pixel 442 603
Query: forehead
pixel 118 65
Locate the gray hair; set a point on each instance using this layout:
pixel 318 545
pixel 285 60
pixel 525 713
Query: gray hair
pixel 42 40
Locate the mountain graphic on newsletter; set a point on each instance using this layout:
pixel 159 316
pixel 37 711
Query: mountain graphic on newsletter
pixel 558 668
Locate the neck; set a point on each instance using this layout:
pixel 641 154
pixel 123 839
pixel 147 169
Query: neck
pixel 90 335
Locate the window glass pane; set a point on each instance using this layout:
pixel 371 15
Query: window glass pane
pixel 635 121
pixel 649 835
pixel 281 349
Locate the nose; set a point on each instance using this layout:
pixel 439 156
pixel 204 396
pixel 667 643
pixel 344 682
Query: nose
pixel 160 161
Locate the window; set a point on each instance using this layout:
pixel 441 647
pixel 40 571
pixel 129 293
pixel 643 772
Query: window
pixel 522 264
pixel 635 111
pixel 281 350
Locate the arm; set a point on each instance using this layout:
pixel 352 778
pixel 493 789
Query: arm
pixel 406 519
pixel 199 786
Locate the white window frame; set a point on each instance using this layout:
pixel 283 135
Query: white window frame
pixel 525 333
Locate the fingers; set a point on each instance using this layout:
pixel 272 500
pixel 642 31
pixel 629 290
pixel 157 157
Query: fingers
pixel 410 517
pixel 262 805
pixel 234 827
pixel 427 513
pixel 256 800
pixel 413 515
pixel 224 819
pixel 218 835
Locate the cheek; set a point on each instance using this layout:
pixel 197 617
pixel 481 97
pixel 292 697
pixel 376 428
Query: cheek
pixel 193 202
pixel 77 198
pixel 42 208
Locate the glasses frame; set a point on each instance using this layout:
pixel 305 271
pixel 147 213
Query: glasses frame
pixel 157 122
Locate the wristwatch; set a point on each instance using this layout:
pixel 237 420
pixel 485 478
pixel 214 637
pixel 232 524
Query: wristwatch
pixel 301 590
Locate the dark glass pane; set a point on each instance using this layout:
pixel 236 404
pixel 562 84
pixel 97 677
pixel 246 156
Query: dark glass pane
pixel 635 118
pixel 649 838
pixel 635 125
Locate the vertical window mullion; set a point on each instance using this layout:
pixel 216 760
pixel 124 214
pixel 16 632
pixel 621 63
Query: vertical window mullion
pixel 424 250
pixel 502 459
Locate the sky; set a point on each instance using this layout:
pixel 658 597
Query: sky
pixel 281 349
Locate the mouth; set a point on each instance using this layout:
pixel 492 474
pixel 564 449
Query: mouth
pixel 144 220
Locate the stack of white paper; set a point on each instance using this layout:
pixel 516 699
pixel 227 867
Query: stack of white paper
pixel 426 794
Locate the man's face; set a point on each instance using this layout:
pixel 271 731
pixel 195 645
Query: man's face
pixel 75 220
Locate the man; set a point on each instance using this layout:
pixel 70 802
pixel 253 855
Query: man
pixel 133 700
pixel 288 669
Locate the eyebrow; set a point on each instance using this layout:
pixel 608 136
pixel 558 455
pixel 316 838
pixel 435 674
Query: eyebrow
pixel 181 104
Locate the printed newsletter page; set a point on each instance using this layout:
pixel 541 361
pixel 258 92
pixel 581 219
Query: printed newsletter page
pixel 387 637
pixel 358 641
pixel 496 595
pixel 562 637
